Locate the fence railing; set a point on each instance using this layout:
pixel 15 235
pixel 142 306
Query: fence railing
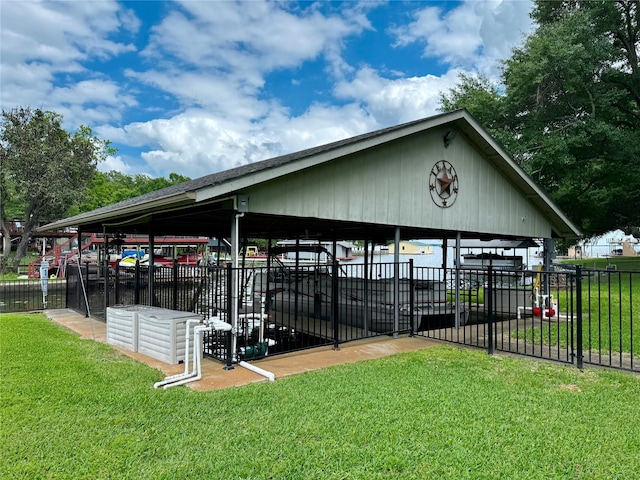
pixel 25 295
pixel 578 316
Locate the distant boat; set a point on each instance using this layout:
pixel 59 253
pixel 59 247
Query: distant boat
pixel 367 304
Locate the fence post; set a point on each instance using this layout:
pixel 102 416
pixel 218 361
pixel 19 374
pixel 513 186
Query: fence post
pixel 174 280
pixel 578 317
pixel 116 274
pixel 136 292
pixel 335 304
pixel 229 277
pixel 488 299
pixel 412 299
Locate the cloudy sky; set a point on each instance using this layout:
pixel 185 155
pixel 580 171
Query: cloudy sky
pixel 199 86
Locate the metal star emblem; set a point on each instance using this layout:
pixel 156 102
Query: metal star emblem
pixel 443 184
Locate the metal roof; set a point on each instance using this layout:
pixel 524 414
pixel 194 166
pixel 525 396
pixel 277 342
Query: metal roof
pixel 204 205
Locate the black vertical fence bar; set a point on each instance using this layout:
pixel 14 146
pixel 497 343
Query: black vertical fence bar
pixel 620 315
pixel 489 301
pixel 229 299
pixel 68 289
pixel 105 273
pixel 631 317
pixel 136 293
pixel 572 313
pixel 174 284
pixel 579 356
pixel 229 292
pixel 116 283
pixel 335 305
pixel 610 322
pixel 412 300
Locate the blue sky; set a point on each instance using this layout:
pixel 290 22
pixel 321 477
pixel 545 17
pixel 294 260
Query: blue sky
pixel 196 87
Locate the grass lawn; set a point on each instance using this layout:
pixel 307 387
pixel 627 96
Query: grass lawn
pixel 610 304
pixel 73 408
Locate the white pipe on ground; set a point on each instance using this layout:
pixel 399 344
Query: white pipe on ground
pixel 260 371
pixel 197 352
pixel 186 373
pixel 211 324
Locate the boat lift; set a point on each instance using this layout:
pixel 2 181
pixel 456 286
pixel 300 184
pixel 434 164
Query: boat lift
pixel 542 304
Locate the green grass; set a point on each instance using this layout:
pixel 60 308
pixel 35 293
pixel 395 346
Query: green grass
pixel 610 304
pixel 631 264
pixel 71 408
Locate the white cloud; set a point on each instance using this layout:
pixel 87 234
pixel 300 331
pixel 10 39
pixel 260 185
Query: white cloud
pixel 236 36
pixel 217 58
pixel 43 47
pixel 117 163
pixel 197 143
pixel 400 100
pixel 209 63
pixel 475 35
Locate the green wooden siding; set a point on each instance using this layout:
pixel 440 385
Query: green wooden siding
pixel 389 184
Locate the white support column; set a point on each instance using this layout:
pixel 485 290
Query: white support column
pixel 235 249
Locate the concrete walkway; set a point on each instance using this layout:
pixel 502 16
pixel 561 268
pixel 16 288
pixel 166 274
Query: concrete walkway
pixel 216 377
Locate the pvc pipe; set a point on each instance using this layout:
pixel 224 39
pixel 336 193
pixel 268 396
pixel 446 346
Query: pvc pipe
pixel 185 374
pixel 260 371
pixel 211 324
pixel 197 352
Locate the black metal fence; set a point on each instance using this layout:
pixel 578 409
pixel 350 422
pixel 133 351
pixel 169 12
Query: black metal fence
pixel 573 316
pixel 25 295
pixel 577 316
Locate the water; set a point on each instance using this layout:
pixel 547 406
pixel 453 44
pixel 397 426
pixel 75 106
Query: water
pixel 433 260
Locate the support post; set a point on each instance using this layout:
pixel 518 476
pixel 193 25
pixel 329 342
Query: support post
pixel 412 301
pixel 150 272
pixel 267 305
pixel 457 304
pixel 230 307
pixel 578 317
pixel 234 280
pixel 548 252
pixel 366 285
pixel 296 279
pixel 105 268
pixel 136 292
pixel 488 300
pixel 396 284
pixel 335 304
pixel 116 272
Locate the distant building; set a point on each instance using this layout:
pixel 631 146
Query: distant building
pixel 344 250
pixel 413 248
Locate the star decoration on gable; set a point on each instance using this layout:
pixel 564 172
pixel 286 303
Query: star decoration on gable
pixel 443 184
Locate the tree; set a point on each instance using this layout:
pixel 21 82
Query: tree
pixel 111 187
pixel 570 109
pixel 44 169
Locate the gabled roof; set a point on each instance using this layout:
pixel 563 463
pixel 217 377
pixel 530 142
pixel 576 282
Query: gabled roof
pixel 223 186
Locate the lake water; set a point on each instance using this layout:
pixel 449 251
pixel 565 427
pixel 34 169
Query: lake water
pixel 431 260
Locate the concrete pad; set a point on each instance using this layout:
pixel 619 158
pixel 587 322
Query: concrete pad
pixel 214 374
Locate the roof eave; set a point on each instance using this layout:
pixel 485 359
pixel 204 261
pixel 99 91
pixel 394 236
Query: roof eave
pixel 144 208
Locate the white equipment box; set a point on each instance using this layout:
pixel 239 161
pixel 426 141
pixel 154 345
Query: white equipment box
pixel 161 334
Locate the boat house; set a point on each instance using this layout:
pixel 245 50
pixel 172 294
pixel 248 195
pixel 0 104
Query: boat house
pixel 442 177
